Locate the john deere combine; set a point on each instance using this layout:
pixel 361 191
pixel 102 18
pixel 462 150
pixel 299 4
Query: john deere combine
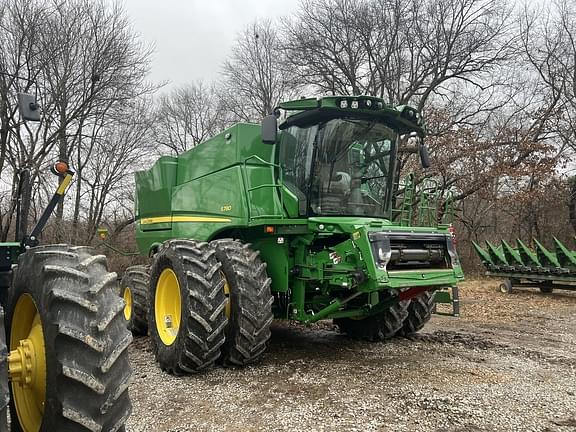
pixel 522 266
pixel 297 223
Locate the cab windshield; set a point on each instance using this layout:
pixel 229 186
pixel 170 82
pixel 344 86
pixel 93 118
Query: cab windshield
pixel 340 167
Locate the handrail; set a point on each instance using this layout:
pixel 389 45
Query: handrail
pixel 278 185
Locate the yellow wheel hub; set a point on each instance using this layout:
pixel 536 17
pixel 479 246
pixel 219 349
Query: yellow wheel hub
pixel 167 306
pixel 227 295
pixel 128 300
pixel 27 364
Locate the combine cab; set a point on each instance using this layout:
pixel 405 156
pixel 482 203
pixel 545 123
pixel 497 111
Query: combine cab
pixel 294 222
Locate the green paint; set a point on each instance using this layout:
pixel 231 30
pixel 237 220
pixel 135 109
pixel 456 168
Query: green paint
pixel 527 255
pixel 566 258
pixel 484 256
pixel 545 256
pixel 9 252
pixel 496 254
pixel 511 254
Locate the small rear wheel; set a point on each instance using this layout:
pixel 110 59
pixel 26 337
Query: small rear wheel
pixel 186 315
pixel 376 328
pixel 249 302
pixel 506 287
pixel 546 289
pixel 134 290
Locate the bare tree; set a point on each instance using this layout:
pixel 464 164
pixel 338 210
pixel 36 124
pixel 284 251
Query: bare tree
pixel 83 60
pixel 256 77
pixel 188 116
pixel 403 51
pixel 119 151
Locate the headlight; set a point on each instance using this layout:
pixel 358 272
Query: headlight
pixel 384 256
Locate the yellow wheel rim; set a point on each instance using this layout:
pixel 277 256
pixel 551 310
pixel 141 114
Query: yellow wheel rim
pixel 167 306
pixel 128 300
pixel 27 364
pixel 228 307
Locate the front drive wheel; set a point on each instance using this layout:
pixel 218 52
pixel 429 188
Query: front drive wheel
pixel 376 328
pixel 68 341
pixel 249 307
pixel 186 316
pixel 419 313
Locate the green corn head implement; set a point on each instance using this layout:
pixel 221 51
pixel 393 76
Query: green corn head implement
pixel 530 266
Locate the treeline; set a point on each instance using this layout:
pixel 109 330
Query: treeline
pixel 496 82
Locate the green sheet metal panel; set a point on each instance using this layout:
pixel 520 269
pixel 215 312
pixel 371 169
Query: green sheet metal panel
pixel 528 256
pixel 546 257
pixel 153 192
pixel 511 254
pixel 496 254
pixel 566 258
pixel 484 256
pixel 231 147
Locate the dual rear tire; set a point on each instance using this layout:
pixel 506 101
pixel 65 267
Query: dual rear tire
pixel 210 302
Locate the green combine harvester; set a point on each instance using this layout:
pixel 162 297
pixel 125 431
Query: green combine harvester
pixel 522 266
pixel 295 222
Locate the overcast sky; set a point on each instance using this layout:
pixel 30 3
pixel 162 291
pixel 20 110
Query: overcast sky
pixel 193 37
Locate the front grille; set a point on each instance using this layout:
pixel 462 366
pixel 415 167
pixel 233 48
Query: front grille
pixel 405 251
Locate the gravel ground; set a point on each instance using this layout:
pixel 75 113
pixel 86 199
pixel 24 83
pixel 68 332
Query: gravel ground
pixel 507 364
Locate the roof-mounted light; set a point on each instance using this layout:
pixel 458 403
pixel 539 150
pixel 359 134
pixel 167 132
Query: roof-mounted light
pixel 359 102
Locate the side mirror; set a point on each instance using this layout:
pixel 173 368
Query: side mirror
pixel 269 129
pixel 29 109
pixel 424 156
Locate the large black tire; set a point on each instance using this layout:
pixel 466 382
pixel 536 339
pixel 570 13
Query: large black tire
pixel 85 339
pixel 4 391
pixel 200 332
pixel 376 328
pixel 419 313
pixel 136 279
pixel 249 309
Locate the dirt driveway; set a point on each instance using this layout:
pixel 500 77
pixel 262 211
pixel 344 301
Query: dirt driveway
pixel 507 364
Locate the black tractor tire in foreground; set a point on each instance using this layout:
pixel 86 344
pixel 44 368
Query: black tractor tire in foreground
pixel 65 297
pixel 187 333
pixel 136 280
pixel 546 289
pixel 419 313
pixel 249 308
pixel 376 328
pixel 4 391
